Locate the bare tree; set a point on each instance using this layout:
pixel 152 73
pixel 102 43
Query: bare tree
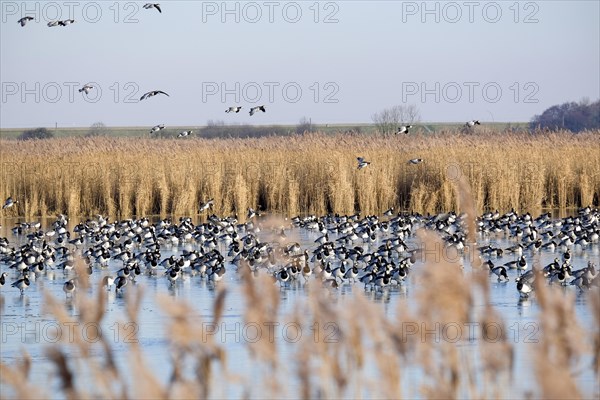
pixel 305 125
pixel 411 114
pixel 385 121
pixel 388 120
pixel 97 129
pixel 211 123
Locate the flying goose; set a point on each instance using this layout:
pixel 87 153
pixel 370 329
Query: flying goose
pixel 404 129
pixel 149 6
pixel 256 109
pixel 472 123
pixel 9 203
pixel 24 20
pixel 157 128
pixel 235 109
pixel 152 93
pixel 415 161
pixel 61 23
pixel 207 205
pixel 86 88
pixel 251 213
pixel 362 163
pixel 184 134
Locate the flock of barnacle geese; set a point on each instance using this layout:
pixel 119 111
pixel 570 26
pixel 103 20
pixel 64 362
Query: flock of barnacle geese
pixel 374 251
pixel 87 88
pixel 565 237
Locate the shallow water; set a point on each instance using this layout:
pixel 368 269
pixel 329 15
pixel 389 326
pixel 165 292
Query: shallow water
pixel 26 327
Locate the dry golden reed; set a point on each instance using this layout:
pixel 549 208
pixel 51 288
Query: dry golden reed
pixel 312 173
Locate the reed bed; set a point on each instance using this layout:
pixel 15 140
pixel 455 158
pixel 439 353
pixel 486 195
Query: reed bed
pixel 312 173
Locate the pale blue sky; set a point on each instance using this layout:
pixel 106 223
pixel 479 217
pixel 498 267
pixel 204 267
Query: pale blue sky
pixel 377 54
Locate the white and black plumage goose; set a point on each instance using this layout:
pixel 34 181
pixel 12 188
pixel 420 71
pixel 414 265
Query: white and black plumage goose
pixel 86 88
pixel 282 276
pixel 472 123
pixel 3 278
pixel 500 272
pixel 152 93
pixel 69 287
pixel 207 205
pixel 581 282
pixel 61 23
pixel 256 109
pixel 21 284
pixel 120 283
pixel 558 277
pixel 149 6
pixel 217 274
pixel 567 256
pixel 157 128
pixel 521 264
pixel 351 273
pixel 235 109
pixel 403 129
pixel 251 213
pixel 9 203
pixel 524 287
pixel 184 134
pixel 415 161
pixel 362 163
pixel 172 275
pixel 24 20
pixel 108 281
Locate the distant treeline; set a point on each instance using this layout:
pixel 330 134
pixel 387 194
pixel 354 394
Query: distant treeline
pixel 572 116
